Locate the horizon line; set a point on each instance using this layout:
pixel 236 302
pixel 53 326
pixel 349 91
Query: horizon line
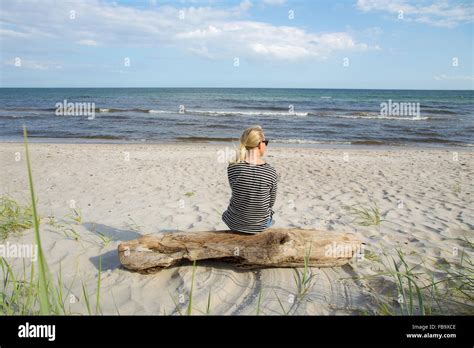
pixel 315 88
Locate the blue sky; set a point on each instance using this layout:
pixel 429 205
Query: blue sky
pixel 399 44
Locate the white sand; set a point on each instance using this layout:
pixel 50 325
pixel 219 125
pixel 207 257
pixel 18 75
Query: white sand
pixel 425 197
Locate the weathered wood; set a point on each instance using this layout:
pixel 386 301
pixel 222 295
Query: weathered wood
pixel 271 248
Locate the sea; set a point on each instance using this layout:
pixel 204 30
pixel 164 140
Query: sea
pixel 288 116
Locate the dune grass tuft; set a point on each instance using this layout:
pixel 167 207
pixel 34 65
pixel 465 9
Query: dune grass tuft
pixel 75 215
pixel 13 217
pixel 370 216
pixel 419 291
pixel 304 280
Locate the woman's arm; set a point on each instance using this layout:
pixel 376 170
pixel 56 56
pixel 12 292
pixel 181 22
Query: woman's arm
pixel 230 176
pixel 273 192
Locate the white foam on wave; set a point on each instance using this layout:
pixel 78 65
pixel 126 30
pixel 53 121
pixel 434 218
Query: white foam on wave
pixel 307 141
pixel 248 113
pixel 379 117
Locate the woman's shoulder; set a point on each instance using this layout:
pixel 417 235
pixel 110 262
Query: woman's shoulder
pixel 271 169
pixel 264 165
pixel 266 169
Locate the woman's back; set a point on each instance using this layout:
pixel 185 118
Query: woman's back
pixel 254 188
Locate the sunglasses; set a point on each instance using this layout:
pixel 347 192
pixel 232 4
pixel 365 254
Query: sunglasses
pixel 265 142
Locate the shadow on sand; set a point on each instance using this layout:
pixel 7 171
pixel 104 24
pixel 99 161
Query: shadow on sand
pixel 110 259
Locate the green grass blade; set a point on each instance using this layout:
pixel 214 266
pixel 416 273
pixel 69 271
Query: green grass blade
pixel 259 300
pixel 42 267
pixel 115 303
pixel 281 304
pixel 176 306
pixel 401 289
pixel 420 300
pixel 208 308
pixel 86 298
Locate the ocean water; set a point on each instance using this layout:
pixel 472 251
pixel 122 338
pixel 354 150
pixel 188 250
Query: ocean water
pixel 288 116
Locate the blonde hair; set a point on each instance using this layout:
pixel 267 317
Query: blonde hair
pixel 250 139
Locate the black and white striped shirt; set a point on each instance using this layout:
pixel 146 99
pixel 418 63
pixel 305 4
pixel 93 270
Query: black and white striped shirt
pixel 254 188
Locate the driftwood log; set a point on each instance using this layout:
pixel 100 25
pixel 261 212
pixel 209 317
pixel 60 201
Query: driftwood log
pixel 271 248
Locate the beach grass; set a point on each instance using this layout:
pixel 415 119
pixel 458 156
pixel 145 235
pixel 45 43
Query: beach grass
pixel 104 239
pixel 208 307
pixel 42 266
pixel 189 308
pixel 408 290
pixel 370 216
pixel 370 255
pixel 419 292
pixel 176 305
pixel 33 294
pixel 304 280
pixel 284 311
pixel 75 215
pixel 53 222
pixel 409 298
pixel 259 301
pixel 14 217
pixel 456 188
pixel 16 295
pixel 71 233
pixel 459 278
pixel 133 225
pixel 20 294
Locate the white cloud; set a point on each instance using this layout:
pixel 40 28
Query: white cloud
pixel 206 31
pixel 444 77
pixel 87 42
pixel 438 13
pixel 281 51
pixel 201 51
pixel 372 31
pixel 4 33
pixel 31 64
pixel 249 38
pixel 210 31
pixel 273 2
pixel 245 5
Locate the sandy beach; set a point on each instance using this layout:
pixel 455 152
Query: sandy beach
pixel 122 191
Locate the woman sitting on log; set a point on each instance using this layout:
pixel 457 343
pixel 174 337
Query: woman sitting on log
pixel 254 185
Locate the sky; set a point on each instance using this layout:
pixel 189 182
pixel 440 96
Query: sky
pixel 366 44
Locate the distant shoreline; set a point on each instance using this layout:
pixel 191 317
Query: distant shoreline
pixel 395 147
